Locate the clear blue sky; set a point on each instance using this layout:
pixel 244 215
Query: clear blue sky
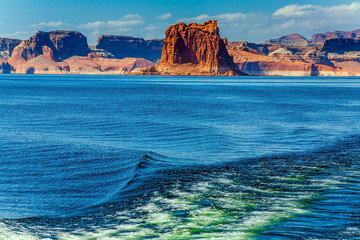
pixel 255 20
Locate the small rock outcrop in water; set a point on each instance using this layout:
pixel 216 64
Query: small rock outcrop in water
pixel 126 46
pixel 58 45
pixel 196 49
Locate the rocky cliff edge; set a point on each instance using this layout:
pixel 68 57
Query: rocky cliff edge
pixel 196 49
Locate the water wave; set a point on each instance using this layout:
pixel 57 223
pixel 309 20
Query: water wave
pixel 65 180
pixel 311 195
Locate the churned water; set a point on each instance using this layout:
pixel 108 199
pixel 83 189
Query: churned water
pixel 138 157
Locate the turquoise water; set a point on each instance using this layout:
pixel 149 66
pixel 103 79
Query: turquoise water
pixel 135 157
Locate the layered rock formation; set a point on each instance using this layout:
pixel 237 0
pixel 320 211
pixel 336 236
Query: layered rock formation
pixel 319 38
pixel 125 46
pixel 344 53
pixel 82 65
pixel 196 49
pixel 65 52
pixel 264 48
pixel 68 44
pixel 154 48
pixel 281 62
pixel 291 40
pixel 57 46
pixel 329 54
pixel 285 54
pixel 122 46
pixel 7 45
pixel 337 57
pixel 193 49
pixel 340 45
pixel 318 57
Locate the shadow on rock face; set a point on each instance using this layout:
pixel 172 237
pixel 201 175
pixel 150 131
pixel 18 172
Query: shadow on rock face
pixel 30 70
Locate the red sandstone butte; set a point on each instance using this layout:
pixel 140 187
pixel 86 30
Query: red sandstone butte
pixel 196 49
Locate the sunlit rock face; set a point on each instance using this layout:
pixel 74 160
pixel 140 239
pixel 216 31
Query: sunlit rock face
pixel 196 49
pixel 291 40
pixel 58 45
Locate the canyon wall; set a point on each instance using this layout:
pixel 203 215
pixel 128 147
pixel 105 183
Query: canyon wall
pixel 291 40
pixel 341 45
pixel 56 45
pixel 319 38
pixel 336 57
pixel 65 52
pixel 7 46
pixel 189 49
pixel 126 46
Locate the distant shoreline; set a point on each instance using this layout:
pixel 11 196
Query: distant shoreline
pixel 67 52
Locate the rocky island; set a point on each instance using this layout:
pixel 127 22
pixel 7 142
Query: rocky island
pixel 196 49
pixel 188 49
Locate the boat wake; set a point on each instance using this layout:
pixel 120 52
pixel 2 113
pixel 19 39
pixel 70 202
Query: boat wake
pixel 311 195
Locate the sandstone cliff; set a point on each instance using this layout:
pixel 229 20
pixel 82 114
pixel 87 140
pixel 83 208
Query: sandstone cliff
pixel 57 46
pixel 81 65
pixel 316 40
pixel 319 38
pixel 318 57
pixel 7 45
pixel 154 49
pixel 126 46
pixel 65 52
pixel 341 45
pixel 264 48
pixel 344 53
pixel 68 44
pixel 122 46
pixel 337 57
pixel 282 62
pixel 291 40
pixel 196 49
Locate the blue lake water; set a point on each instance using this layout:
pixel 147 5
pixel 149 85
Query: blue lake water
pixel 139 157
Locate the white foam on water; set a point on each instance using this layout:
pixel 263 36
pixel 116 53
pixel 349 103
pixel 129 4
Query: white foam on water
pixel 201 187
pixel 326 183
pixel 8 234
pixel 179 204
pixel 215 209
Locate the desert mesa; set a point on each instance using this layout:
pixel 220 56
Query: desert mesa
pixel 188 49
